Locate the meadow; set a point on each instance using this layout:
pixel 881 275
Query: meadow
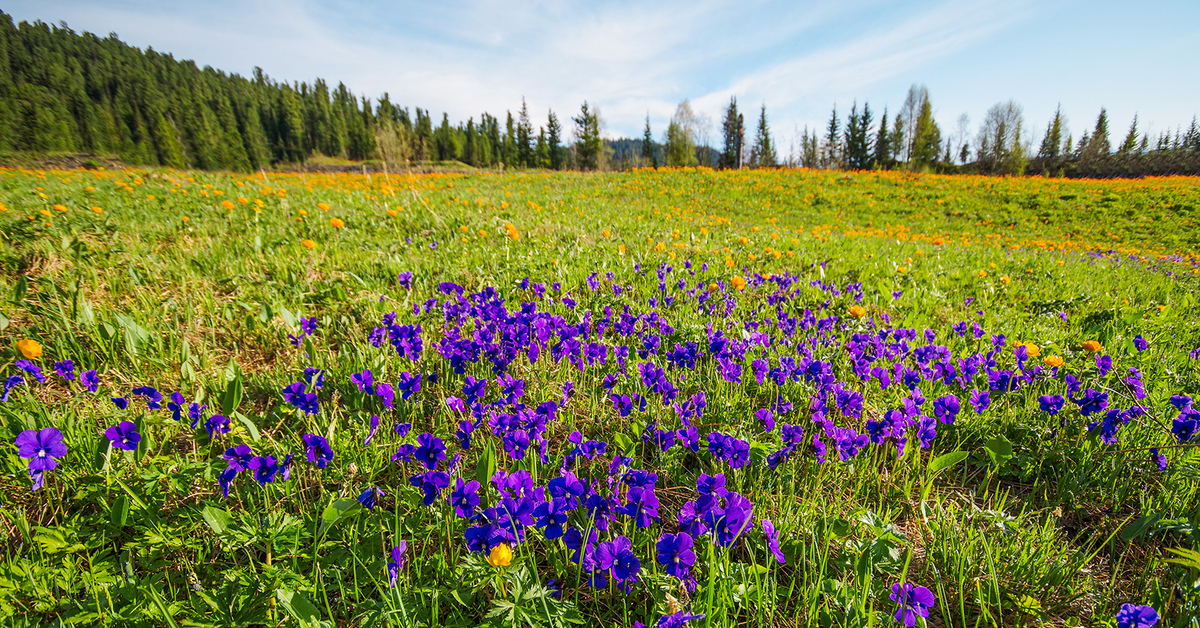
pixel 712 398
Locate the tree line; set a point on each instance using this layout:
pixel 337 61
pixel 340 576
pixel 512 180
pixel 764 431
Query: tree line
pixel 66 92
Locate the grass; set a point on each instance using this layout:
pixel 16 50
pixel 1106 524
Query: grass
pixel 195 282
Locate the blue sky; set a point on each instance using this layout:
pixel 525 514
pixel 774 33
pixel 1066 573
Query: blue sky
pixel 637 58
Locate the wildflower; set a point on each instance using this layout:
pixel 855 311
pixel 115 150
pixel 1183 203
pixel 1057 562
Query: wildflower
pixel 618 557
pixel 153 397
pixel 1186 425
pixel 29 348
pixel 1054 361
pixel 430 450
pixel 674 620
pixel 772 536
pixel 318 449
pixel 1136 616
pixel 369 496
pixel 336 223
pixel 1140 343
pixel 120 402
pixel 41 447
pixel 364 381
pixel 914 602
pixel 374 426
pixel 397 563
pixel 238 457
pixel 738 283
pixel 217 424
pixel 464 498
pixel 1092 346
pixel 9 384
pixel 858 311
pixel 675 554
pixel 90 380
pixel 308 244
pixel 30 368
pixel 500 556
pixel 124 435
pixel 65 369
pixel 265 469
pixel 175 405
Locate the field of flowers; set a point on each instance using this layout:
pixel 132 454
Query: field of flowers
pixel 768 398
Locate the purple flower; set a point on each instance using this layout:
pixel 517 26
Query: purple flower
pixel 772 536
pixel 217 424
pixel 124 435
pixel 175 405
pixel 1159 460
pixel 432 483
pixel 265 469
pixel 195 413
pixel 914 602
pixel 120 402
pixel 397 562
pixel 30 368
pixel 1140 343
pixel 1051 404
pixel 65 369
pixel 1136 616
pixel 430 449
pixel 464 498
pixel 405 280
pixel 364 380
pixel 41 447
pixel 238 458
pixel 675 554
pixel 946 408
pixel 90 380
pixel 9 384
pixel 369 496
pixel 617 556
pixel 374 426
pixel 409 384
pixel 318 450
pixel 1186 425
pixel 153 397
pixel 386 394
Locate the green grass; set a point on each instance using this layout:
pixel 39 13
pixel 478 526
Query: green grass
pixel 1012 517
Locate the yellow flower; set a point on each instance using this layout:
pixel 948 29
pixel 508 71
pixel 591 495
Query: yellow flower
pixel 1005 279
pixel 501 556
pixel 1092 346
pixel 243 200
pixel 901 269
pixel 29 348
pixel 982 274
pixel 308 244
pixel 304 212
pixel 621 248
pixel 858 311
pixel 712 287
pixel 337 223
pixel 607 233
pixel 185 218
pixel 1054 360
pixel 738 283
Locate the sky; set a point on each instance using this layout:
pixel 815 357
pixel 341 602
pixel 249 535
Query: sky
pixel 797 58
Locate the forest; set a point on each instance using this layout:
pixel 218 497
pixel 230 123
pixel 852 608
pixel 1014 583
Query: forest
pixel 66 92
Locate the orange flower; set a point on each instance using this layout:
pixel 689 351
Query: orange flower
pixel 29 348
pixel 858 311
pixel 1054 360
pixel 982 274
pixel 392 212
pixel 323 206
pixel 337 223
pixel 61 208
pixel 227 204
pixel 1032 349
pixel 712 287
pixel 1092 346
pixel 308 244
pixel 901 269
pixel 738 283
pixel 98 210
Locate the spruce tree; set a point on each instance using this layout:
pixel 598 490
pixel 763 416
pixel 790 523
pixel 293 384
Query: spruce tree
pixel 734 137
pixel 883 143
pixel 648 146
pixel 1129 146
pixel 832 155
pixel 764 148
pixel 554 141
pixel 588 144
pixel 524 137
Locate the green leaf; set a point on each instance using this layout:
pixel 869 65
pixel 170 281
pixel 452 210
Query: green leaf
pixel 623 442
pixel 1139 527
pixel 999 450
pixel 3 322
pixel 487 464
pixel 118 514
pixel 250 426
pixel 233 395
pixel 943 462
pixel 300 608
pixel 219 520
pixel 1188 558
pixel 337 511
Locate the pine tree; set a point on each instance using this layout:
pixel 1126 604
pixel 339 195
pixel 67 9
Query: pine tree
pixel 524 137
pixel 554 141
pixel 648 156
pixel 1098 145
pixel 733 132
pixel 588 145
pixel 1052 142
pixel 764 148
pixel 927 138
pixel 883 143
pixel 832 155
pixel 1129 146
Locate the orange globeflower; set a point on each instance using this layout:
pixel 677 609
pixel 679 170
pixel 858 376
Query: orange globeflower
pixel 323 206
pixel 712 287
pixel 738 283
pixel 337 223
pixel 227 204
pixel 29 348
pixel 1054 361
pixel 308 244
pixel 1092 346
pixel 858 311
pixel 1031 349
